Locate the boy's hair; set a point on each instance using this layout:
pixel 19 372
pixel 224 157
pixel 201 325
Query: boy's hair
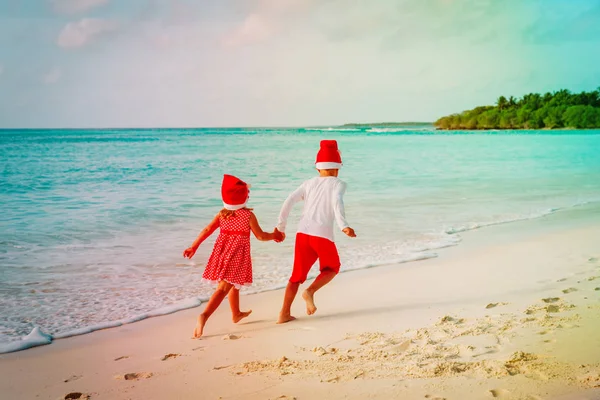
pixel 226 214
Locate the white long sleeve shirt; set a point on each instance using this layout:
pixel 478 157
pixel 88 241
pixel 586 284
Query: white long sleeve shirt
pixel 323 203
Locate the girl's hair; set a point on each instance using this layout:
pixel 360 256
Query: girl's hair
pixel 225 213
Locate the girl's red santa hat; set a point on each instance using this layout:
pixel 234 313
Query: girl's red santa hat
pixel 329 157
pixel 234 192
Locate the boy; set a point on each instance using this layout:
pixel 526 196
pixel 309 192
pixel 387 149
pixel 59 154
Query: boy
pixel 323 203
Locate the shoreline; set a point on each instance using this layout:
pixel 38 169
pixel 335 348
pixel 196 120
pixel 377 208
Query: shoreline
pixel 38 337
pixel 367 305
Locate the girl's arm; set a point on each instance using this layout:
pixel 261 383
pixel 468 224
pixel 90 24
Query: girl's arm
pixel 257 230
pixel 206 232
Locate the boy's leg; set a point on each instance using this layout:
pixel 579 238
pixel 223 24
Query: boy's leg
pixel 329 261
pixel 285 315
pixel 304 258
pixel 234 303
pixel 323 279
pixel 215 300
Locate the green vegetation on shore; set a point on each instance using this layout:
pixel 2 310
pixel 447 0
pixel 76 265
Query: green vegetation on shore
pixel 561 109
pixel 387 125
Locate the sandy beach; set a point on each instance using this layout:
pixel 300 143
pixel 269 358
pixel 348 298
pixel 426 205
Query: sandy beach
pixel 511 313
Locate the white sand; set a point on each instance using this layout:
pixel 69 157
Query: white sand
pixel 511 313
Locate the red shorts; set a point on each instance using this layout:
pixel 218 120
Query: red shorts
pixel 310 248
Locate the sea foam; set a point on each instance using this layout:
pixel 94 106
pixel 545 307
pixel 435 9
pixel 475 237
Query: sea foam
pixel 37 337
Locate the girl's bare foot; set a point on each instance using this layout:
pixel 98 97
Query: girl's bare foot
pixel 285 318
pixel 238 317
pixel 310 303
pixel 199 327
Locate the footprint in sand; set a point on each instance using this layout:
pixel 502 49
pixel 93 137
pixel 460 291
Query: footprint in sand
pixel 553 308
pixel 499 393
pixel 598 288
pixel 72 378
pixel 569 290
pixel 562 280
pixel 551 299
pixel 231 337
pixel 121 358
pixel 402 347
pixel 134 376
pixel 170 356
pixel 490 350
pixel 493 305
pixel 285 397
pixel 77 396
pixel 590 380
pixel 428 396
pixel 593 278
pixel 331 379
pixel 446 319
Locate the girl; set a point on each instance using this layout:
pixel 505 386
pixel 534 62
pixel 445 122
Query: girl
pixel 230 265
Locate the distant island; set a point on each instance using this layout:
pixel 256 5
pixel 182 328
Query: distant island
pixel 558 110
pixel 387 125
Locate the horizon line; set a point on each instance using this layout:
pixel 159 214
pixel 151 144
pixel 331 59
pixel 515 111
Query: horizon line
pixel 211 127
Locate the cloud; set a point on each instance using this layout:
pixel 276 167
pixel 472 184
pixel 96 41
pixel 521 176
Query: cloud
pixel 82 32
pixel 255 28
pixel 52 76
pixel 267 19
pixel 76 6
pixel 395 24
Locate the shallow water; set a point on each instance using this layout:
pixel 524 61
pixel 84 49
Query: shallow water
pixel 94 223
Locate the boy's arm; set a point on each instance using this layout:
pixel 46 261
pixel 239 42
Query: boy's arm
pixel 338 208
pixel 296 196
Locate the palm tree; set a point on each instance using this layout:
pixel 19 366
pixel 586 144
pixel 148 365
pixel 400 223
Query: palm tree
pixel 501 102
pixel 562 97
pixel 595 98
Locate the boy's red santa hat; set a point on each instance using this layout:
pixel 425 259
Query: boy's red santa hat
pixel 234 192
pixel 329 157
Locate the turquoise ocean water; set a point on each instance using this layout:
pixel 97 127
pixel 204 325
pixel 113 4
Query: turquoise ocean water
pixel 94 223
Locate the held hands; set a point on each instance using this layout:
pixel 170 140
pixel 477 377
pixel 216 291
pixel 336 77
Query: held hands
pixel 189 252
pixel 349 232
pixel 278 236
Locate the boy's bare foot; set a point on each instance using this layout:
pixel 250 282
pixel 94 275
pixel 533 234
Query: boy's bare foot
pixel 199 327
pixel 285 318
pixel 310 303
pixel 243 314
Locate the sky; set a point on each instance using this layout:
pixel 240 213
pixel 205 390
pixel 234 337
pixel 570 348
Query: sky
pixel 226 63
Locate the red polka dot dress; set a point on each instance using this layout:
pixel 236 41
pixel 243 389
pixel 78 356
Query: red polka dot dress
pixel 230 260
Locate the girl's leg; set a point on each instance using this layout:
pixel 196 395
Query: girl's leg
pixel 234 303
pixel 211 306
